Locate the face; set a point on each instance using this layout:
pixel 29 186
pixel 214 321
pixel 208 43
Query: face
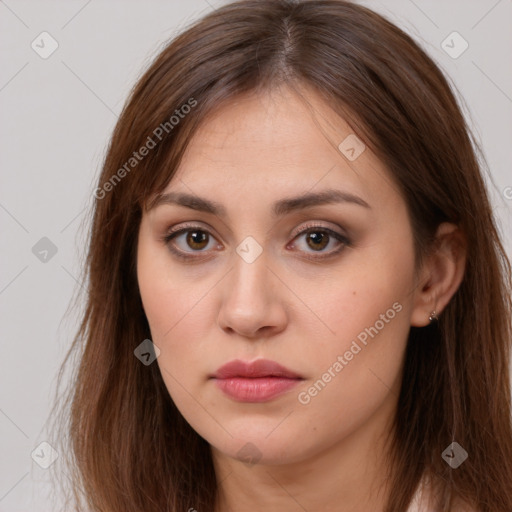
pixel 322 287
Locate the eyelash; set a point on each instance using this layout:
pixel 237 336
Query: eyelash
pixel 310 228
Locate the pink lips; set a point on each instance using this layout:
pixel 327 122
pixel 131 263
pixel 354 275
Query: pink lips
pixel 257 381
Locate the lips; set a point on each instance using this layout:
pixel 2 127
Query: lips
pixel 257 381
pixel 254 369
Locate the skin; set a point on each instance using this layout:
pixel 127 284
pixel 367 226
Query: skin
pixel 328 454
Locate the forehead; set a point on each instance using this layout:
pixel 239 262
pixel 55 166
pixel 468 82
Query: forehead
pixel 276 143
pixel 275 127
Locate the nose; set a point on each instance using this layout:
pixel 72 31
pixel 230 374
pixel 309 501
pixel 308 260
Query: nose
pixel 252 302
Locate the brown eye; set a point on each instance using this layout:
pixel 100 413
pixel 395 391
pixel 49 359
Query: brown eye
pixel 196 239
pixel 317 240
pixel 189 240
pixel 194 242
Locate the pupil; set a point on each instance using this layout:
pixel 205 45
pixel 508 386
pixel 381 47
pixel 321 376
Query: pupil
pixel 196 238
pixel 316 238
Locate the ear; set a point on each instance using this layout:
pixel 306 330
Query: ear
pixel 441 274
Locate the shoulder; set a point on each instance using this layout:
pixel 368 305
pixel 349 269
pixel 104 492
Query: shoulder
pixel 421 501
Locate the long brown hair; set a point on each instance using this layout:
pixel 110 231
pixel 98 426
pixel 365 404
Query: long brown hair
pixel 130 449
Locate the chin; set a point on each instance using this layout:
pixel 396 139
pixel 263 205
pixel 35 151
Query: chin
pixel 260 449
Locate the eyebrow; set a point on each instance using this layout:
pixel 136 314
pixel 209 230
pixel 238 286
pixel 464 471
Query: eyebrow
pixel 280 208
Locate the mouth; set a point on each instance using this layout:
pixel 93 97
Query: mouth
pixel 257 381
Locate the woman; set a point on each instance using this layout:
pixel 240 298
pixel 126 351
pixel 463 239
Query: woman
pixel 298 299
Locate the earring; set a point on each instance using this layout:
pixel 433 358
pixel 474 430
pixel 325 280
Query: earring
pixel 433 316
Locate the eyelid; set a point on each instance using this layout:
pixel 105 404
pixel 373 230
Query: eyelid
pixel 183 225
pixel 294 233
pixel 189 226
pixel 315 224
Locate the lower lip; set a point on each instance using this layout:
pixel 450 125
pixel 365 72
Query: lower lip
pixel 259 389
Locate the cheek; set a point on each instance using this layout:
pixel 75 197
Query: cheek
pixel 168 296
pixel 177 312
pixel 364 293
pixel 367 312
pixel 356 372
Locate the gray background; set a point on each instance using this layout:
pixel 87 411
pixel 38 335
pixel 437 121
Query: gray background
pixel 57 117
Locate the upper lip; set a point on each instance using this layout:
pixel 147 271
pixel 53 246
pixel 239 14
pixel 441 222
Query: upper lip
pixel 254 369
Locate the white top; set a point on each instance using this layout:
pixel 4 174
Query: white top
pixel 420 503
